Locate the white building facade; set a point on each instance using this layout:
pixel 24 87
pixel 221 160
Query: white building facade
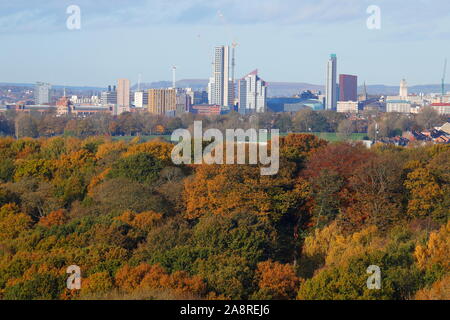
pixel 221 87
pixel 140 99
pixel 347 106
pixel 252 94
pixel 42 93
pixel 401 106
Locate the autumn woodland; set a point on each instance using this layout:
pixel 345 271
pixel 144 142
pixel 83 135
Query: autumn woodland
pixel 140 227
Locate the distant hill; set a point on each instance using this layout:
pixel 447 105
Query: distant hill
pixel 276 89
pixel 77 88
pixel 195 84
pixel 394 90
pixel 287 89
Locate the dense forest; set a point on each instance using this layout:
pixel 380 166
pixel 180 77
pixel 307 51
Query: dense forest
pixel 141 228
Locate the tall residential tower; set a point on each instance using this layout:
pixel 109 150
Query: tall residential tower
pixel 221 87
pixel 123 96
pixel 42 93
pixel 331 86
pixel 252 94
pixel 162 101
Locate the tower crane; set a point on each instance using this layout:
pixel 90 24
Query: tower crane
pixel 233 47
pixel 233 61
pixel 443 79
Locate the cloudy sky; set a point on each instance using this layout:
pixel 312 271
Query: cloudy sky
pixel 287 40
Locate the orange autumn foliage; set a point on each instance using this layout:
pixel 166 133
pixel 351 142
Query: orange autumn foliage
pixel 55 218
pixel 160 129
pixel 143 221
pixel 75 160
pixel 96 180
pixel 129 278
pixel 341 158
pixel 160 150
pixel 148 277
pixel 228 189
pixel 300 145
pixel 277 280
pixel 221 189
pixel 109 148
pixel 440 290
pixel 179 282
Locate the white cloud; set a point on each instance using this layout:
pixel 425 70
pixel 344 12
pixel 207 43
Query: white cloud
pixel 28 15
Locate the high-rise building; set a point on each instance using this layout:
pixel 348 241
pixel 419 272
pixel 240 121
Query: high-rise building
pixel 252 94
pixel 183 102
pixel 108 97
pixel 221 87
pixel 403 88
pixel 162 101
pixel 197 97
pixel 42 93
pixel 123 96
pixel 140 99
pixel 331 85
pixel 348 87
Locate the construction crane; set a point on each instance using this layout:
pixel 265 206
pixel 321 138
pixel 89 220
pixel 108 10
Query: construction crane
pixel 443 79
pixel 233 47
pixel 233 64
pixel 139 82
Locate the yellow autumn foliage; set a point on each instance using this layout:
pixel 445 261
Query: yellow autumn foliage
pixel 160 150
pixel 436 251
pixel 337 248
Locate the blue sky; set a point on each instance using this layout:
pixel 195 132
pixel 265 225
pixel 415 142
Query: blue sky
pixel 287 40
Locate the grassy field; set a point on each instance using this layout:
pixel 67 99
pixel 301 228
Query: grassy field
pixel 143 138
pixel 329 136
pixel 333 136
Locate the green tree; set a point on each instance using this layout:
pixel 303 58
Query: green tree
pixel 40 287
pixel 140 167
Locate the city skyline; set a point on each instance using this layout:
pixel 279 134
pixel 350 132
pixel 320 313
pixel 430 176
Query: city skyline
pixel 298 34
